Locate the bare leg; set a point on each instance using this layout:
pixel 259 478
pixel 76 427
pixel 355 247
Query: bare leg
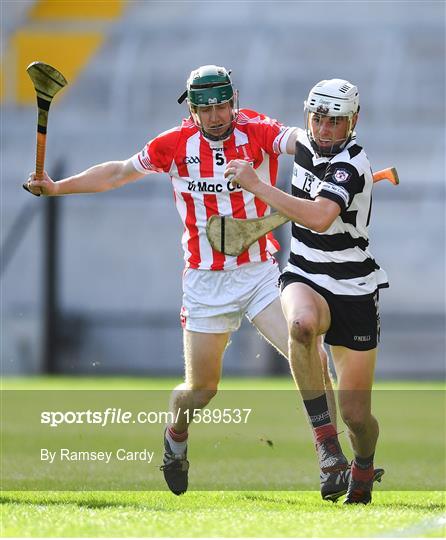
pixel 308 317
pixel 355 370
pixel 203 354
pixel 271 323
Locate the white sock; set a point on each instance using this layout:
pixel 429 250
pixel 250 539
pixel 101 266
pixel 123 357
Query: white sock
pixel 178 448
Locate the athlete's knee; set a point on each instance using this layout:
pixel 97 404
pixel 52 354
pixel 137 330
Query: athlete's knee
pixel 303 328
pixel 202 395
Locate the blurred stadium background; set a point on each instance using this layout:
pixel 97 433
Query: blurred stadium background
pixel 92 284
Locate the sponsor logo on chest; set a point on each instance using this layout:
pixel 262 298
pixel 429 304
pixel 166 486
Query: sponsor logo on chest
pixel 206 177
pixel 210 186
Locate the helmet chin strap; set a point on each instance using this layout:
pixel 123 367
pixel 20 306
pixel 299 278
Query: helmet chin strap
pixel 335 146
pixel 210 136
pixel 330 151
pixel 221 137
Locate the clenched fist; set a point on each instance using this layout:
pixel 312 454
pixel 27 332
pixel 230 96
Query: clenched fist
pixel 46 186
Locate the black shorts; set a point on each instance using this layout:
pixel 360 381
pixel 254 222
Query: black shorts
pixel 354 324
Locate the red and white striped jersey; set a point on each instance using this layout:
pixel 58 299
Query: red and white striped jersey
pixel 196 166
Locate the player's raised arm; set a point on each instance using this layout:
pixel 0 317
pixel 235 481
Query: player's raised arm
pixel 102 177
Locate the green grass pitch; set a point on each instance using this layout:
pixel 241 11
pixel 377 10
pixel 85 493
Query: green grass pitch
pixel 295 513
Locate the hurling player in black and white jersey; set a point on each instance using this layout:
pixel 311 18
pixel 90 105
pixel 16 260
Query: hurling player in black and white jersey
pixel 330 285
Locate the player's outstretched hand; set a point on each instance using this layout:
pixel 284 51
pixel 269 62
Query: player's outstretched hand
pixel 46 186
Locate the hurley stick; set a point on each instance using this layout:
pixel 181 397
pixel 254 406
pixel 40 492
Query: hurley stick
pixel 47 82
pixel 233 236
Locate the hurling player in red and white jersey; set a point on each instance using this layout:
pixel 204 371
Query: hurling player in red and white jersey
pixel 196 165
pixel 218 290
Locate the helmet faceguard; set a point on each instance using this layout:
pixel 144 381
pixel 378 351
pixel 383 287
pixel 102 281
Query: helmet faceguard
pixel 336 99
pixel 209 86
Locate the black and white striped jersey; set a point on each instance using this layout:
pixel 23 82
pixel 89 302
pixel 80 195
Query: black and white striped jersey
pixel 337 259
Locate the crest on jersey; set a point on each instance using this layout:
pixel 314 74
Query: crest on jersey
pixel 341 175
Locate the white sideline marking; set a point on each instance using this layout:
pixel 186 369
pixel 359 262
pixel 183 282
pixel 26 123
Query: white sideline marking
pixel 419 528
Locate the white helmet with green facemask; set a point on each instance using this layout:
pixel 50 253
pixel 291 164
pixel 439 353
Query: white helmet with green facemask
pixel 207 86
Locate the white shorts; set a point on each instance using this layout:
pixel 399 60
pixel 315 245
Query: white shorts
pixel 214 302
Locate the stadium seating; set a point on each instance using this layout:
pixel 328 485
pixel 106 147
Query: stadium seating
pixel 126 70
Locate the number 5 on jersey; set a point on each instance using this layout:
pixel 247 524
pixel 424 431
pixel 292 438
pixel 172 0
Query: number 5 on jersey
pixel 219 158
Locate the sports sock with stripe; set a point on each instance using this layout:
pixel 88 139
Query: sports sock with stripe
pixel 319 416
pixel 362 468
pixel 177 441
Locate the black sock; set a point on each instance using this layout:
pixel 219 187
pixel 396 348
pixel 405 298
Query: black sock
pixel 317 410
pixel 364 462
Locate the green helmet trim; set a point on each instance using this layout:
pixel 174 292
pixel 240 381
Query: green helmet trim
pixel 209 95
pixel 208 85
